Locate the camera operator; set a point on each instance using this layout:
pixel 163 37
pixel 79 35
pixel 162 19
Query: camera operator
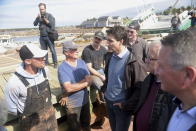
pixel 193 18
pixel 46 24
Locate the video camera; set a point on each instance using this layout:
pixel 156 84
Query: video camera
pixel 43 15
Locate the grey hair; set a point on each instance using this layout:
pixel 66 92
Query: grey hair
pixel 183 46
pixel 156 44
pixel 3 111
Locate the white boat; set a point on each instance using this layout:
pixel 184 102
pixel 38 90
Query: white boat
pixel 149 22
pixel 7 42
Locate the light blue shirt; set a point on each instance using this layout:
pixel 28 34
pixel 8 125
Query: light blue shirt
pixel 115 88
pixel 182 120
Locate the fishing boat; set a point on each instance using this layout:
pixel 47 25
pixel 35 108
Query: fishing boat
pixel 150 23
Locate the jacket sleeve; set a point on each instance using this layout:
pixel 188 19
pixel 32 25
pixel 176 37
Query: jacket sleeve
pixel 135 74
pixel 12 96
pixel 131 104
pixel 145 49
pixel 35 23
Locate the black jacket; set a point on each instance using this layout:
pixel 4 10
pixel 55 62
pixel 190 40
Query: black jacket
pixel 193 128
pixel 43 27
pixel 135 72
pixel 162 109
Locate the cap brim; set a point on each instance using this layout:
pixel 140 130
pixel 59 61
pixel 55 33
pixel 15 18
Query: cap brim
pixel 99 37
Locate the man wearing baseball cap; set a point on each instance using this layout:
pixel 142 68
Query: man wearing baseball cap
pixel 28 92
pixel 74 79
pixel 93 55
pixel 135 43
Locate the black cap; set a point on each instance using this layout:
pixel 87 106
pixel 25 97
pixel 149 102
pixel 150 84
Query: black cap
pixel 25 53
pixel 99 35
pixel 135 27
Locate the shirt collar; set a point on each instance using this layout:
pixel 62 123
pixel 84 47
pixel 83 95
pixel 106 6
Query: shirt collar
pixel 178 102
pixel 191 111
pixel 122 53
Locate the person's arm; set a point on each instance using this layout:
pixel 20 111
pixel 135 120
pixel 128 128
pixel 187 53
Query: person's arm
pixel 94 72
pixel 70 88
pixel 37 20
pixel 50 21
pixel 12 95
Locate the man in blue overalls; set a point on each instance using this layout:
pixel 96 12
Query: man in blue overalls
pixel 28 92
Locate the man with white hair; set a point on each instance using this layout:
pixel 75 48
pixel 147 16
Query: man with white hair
pixel 153 107
pixel 177 72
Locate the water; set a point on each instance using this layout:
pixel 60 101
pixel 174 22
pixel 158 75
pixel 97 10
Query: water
pixel 26 39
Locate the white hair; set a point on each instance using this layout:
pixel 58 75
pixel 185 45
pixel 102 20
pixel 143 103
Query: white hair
pixel 155 45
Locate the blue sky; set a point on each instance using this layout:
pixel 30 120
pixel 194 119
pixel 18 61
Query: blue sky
pixel 21 13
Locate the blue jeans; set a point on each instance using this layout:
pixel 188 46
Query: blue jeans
pixel 119 119
pixel 45 42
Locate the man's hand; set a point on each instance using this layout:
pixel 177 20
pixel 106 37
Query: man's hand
pixel 46 20
pixel 118 104
pixel 63 101
pixel 88 79
pixel 102 77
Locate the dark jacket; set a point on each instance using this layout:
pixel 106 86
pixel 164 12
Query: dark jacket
pixel 140 48
pixel 163 107
pixel 43 27
pixel 193 128
pixel 135 72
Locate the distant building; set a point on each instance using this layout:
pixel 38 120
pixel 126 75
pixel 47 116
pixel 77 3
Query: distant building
pixel 116 20
pixel 90 23
pixel 103 21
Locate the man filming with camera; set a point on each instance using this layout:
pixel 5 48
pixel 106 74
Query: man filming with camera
pixel 46 24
